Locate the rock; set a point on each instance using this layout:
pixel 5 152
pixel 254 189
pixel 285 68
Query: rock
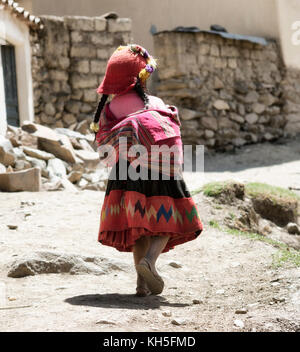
pixel 221 105
pixel 175 265
pixel 56 168
pixel 74 176
pixel 82 183
pixel 238 142
pixel 105 322
pixel 71 134
pixel 85 145
pixel 69 119
pixel 258 108
pixel 197 301
pixel 12 227
pixel 293 228
pixel 239 323
pixel 39 154
pixel 209 134
pixel 278 299
pixel 22 165
pixel 67 185
pixel 267 99
pixel 251 118
pixel 7 156
pixel 218 84
pixel 41 164
pixel 241 311
pixel 53 185
pixel 19 153
pixel 2 169
pixel 99 186
pixel 188 114
pixel 50 141
pixel 62 148
pixel 53 263
pixel 237 118
pixel 26 180
pixel 210 123
pixel 178 321
pixel 241 87
pixel 83 127
pixel 251 97
pixel 167 313
pixel 281 211
pixel 90 159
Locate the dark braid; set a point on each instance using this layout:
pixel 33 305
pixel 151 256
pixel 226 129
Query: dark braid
pixel 100 108
pixel 141 92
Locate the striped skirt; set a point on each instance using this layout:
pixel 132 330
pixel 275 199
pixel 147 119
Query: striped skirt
pixel 133 209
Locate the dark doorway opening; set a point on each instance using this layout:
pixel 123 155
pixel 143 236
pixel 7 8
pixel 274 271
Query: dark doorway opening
pixel 10 84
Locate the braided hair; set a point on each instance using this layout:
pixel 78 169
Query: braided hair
pixel 100 108
pixel 139 89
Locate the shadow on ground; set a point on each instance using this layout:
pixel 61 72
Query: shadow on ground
pixel 116 300
pixel 253 156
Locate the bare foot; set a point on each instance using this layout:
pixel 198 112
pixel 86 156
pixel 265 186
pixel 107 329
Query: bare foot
pixel 141 288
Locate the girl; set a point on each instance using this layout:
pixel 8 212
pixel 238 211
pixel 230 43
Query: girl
pixel 145 215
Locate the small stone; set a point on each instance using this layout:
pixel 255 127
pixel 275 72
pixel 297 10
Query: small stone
pixel 293 228
pixel 209 134
pixel 258 108
pixel 39 154
pixel 241 311
pixel 167 313
pixel 221 105
pixel 12 227
pixel 178 321
pixel 175 265
pixel 251 118
pixel 197 301
pixel 82 183
pixel 251 97
pixel 74 176
pixel 278 299
pixel 239 323
pixel 218 84
pixel 220 292
pixel 105 322
pixel 56 168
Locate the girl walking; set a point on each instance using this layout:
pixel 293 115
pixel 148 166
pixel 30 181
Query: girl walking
pixel 154 212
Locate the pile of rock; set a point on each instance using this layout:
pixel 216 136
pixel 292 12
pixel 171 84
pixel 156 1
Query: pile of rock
pixel 35 157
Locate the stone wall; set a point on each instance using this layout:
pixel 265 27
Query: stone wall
pixel 229 92
pixel 69 59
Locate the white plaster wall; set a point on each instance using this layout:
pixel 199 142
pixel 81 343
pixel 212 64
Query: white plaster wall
pixel 16 33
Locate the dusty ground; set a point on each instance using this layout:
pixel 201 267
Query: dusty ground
pixel 223 272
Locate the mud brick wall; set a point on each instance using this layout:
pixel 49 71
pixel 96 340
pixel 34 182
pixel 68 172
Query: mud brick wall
pixel 69 59
pixel 229 92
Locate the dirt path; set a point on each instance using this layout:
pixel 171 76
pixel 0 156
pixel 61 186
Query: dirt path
pixel 223 272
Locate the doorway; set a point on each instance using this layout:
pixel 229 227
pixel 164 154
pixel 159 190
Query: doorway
pixel 10 84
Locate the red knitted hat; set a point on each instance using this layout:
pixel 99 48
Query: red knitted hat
pixel 125 65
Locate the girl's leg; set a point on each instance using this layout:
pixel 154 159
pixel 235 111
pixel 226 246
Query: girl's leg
pixel 146 267
pixel 157 245
pixel 139 251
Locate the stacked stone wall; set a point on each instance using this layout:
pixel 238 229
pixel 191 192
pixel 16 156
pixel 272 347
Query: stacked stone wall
pixel 229 92
pixel 69 58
